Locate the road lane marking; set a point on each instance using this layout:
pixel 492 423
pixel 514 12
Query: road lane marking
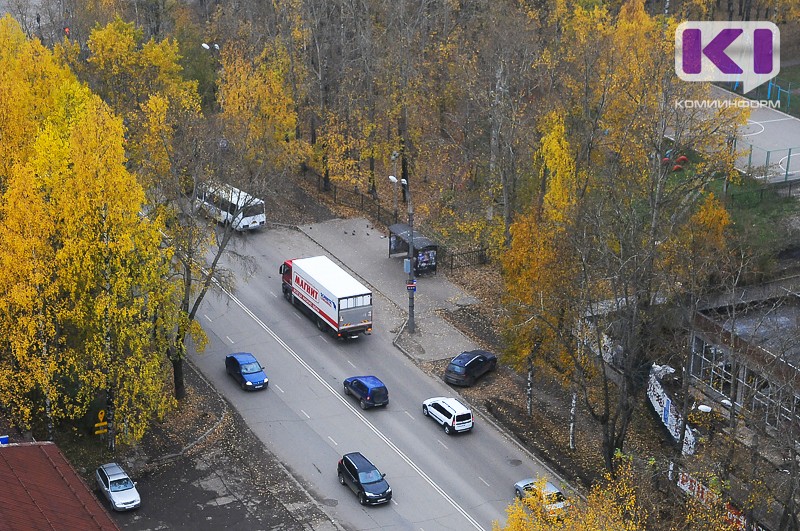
pixel 354 411
pixel 279 389
pixel 484 481
pixel 335 443
pixel 229 339
pixel 208 318
pixel 351 364
pixel 323 338
pixel 443 444
pixel 409 415
pixel 306 414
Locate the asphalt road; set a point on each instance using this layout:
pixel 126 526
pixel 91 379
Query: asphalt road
pixel 439 481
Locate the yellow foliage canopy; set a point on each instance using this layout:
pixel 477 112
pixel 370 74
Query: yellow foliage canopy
pixel 84 306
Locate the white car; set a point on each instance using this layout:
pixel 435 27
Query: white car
pixel 449 412
pixel 115 485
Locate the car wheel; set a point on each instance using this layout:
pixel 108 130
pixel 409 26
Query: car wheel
pixel 518 494
pixel 362 498
pixel 362 403
pixel 447 429
pixel 493 366
pixel 341 478
pixel 320 324
pixel 243 386
pixel 346 390
pixel 425 410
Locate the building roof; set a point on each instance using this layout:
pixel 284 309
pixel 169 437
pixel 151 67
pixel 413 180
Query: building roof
pixel 41 490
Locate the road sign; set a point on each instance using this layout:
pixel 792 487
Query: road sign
pixel 102 426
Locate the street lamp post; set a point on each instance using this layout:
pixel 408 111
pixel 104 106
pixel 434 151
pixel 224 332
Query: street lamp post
pixel 393 180
pixel 411 286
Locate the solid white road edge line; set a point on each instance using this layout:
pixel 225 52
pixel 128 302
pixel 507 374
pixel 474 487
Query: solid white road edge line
pixel 353 410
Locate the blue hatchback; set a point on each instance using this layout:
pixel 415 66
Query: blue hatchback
pixel 369 390
pixel 246 370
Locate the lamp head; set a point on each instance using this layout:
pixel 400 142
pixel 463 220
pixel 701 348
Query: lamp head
pixel 393 179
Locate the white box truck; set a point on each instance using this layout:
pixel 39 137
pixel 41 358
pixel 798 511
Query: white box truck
pixel 337 302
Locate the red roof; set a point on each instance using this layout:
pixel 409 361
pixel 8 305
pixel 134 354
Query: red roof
pixel 39 489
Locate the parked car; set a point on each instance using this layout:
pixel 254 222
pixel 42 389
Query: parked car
pixel 364 479
pixel 554 501
pixel 117 487
pixel 369 391
pixel 449 412
pixel 468 366
pixel 246 370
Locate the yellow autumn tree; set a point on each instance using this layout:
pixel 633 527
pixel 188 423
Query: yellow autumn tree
pixel 258 109
pixel 84 306
pixel 589 255
pixel 612 505
pixel 539 268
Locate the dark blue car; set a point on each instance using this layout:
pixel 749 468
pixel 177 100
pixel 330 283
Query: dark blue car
pixel 369 391
pixel 246 370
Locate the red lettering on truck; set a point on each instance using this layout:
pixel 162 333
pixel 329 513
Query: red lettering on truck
pixel 305 286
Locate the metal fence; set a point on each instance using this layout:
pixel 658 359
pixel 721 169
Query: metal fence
pixel 772 165
pixel 456 259
pixel 751 198
pixel 776 89
pixel 370 205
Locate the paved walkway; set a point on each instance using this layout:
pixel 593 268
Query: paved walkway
pixel 364 250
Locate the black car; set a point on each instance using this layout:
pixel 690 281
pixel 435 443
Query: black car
pixel 364 479
pixel 468 366
pixel 369 391
pixel 246 370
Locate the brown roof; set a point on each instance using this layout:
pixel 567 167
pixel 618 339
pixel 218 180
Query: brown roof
pixel 39 489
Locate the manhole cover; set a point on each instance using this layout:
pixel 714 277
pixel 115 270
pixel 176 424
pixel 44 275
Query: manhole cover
pixel 328 502
pixel 514 462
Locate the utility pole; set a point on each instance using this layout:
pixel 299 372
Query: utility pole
pixel 411 286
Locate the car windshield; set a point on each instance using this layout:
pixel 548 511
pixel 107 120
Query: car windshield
pixel 458 369
pixel 121 484
pixel 555 497
pixel 251 368
pixel 370 476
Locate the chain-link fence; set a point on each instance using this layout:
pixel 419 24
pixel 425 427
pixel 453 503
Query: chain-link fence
pixel 771 166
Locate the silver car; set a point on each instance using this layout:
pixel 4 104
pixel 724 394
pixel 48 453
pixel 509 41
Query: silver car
pixel 555 503
pixel 115 485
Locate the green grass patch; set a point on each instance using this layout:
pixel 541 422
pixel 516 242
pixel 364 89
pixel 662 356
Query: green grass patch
pixel 759 213
pixel 789 79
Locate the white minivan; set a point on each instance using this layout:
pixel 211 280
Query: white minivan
pixel 449 412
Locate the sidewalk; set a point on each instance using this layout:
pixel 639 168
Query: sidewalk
pixel 364 250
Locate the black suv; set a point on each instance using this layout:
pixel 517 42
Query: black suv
pixel 369 391
pixel 468 366
pixel 364 479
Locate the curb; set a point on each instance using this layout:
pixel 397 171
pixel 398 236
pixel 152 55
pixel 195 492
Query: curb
pixel 180 453
pixel 489 419
pixel 226 408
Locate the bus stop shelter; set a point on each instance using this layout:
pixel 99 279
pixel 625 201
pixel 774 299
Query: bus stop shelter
pixel 400 238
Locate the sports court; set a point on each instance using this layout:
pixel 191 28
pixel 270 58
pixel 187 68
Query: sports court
pixel 769 144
